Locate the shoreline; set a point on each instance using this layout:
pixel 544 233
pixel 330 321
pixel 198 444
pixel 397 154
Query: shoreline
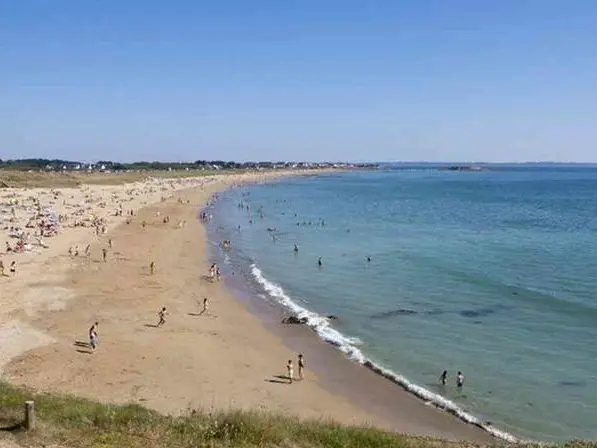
pixel 218 362
pixel 333 361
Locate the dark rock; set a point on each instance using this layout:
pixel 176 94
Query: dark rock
pixel 294 320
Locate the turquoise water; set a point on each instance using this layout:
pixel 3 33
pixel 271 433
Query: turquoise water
pixel 492 273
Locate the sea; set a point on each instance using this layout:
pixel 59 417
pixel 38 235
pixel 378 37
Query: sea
pixel 492 273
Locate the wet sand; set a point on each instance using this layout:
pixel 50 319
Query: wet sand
pixel 233 358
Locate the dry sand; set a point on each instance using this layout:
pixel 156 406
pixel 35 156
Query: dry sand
pixel 228 359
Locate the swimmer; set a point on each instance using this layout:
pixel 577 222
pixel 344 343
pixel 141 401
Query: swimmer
pixel 319 262
pixel 296 249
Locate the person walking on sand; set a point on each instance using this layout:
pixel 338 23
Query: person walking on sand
pixel 459 380
pixel 290 371
pixel 205 309
pixel 162 315
pixel 104 254
pixel 443 377
pixel 13 267
pixel 301 366
pixel 152 268
pixel 110 243
pixel 1 268
pixel 93 336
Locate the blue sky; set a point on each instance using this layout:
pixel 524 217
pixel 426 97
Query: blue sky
pixel 444 80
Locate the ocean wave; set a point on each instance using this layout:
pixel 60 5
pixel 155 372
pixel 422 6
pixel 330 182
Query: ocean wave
pixel 348 345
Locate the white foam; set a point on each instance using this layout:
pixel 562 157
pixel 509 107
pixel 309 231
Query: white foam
pixel 348 345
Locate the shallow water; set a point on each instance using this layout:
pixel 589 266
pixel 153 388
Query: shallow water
pixel 491 273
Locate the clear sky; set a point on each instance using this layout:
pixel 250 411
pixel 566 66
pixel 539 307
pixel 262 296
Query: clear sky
pixel 443 80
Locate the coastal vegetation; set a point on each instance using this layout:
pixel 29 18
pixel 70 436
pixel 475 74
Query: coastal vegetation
pixel 107 165
pixel 67 421
pixel 57 173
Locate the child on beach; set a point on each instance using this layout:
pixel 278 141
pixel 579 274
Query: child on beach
pixel 301 366
pixel 162 315
pixel 13 267
pixel 290 371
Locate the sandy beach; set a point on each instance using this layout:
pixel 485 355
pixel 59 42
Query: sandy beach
pixel 227 359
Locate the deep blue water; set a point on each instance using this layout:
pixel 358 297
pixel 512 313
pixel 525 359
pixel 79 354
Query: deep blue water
pixel 492 273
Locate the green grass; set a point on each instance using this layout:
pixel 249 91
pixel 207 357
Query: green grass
pixel 68 421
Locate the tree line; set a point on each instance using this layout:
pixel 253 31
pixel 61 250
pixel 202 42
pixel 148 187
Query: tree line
pixel 107 165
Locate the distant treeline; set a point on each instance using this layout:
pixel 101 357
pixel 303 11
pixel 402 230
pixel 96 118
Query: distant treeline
pixel 106 165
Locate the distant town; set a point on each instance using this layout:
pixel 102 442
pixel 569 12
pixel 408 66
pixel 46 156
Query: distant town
pixel 58 165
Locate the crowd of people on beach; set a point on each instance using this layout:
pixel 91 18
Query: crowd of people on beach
pixel 162 314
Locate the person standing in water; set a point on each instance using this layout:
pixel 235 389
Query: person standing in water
pixel 459 380
pixel 319 262
pixel 443 377
pixel 296 249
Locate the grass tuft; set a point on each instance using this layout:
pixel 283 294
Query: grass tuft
pixel 68 421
